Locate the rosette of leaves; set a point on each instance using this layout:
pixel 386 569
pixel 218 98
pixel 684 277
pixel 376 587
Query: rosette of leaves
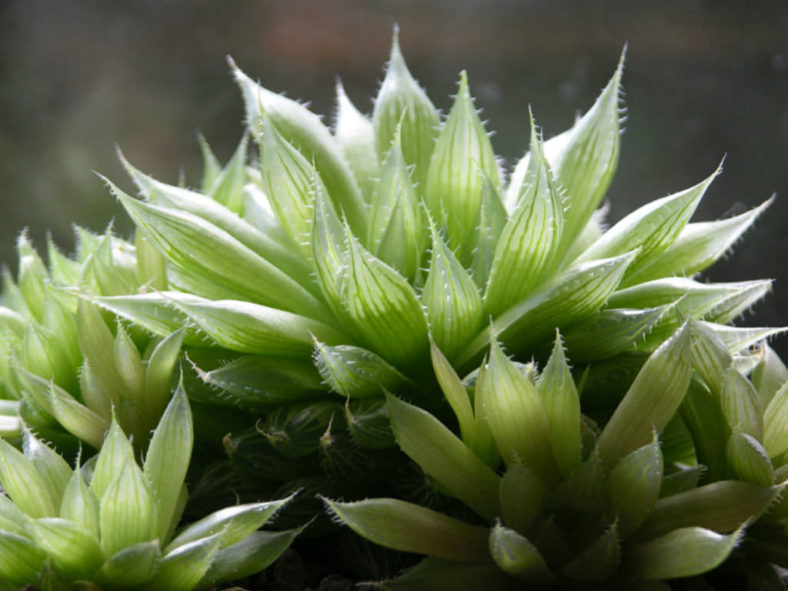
pixel 111 524
pixel 66 364
pixel 358 246
pixel 560 503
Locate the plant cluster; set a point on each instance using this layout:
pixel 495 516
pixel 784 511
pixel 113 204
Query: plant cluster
pixel 373 323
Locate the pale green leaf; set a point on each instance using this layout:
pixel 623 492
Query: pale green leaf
pixel 304 130
pixel 232 524
pixel 131 566
pixel 740 404
pixel 721 506
pixel 159 372
pixel 252 328
pixel 682 553
pixel 567 300
pixel 80 505
pixel 561 402
pixel 769 375
pixel 398 228
pixel 651 401
pixel 227 187
pixel 401 99
pixel 749 459
pixel 167 460
pixel 76 418
pixel 697 247
pixel 634 485
pixel 355 372
pixel 115 455
pixel 444 457
pixel 463 157
pixel 584 158
pixel 775 437
pixel 287 182
pixel 513 409
pixel 72 548
pixel 211 167
pixel 356 136
pixel 25 485
pixel 199 246
pixel 128 511
pixel 411 528
pixel 652 227
pixel 517 556
pixel 32 277
pixel 384 307
pixel 703 416
pixel 585 489
pixel 480 245
pixel 456 395
pixel 21 560
pixel 54 470
pixel 451 298
pixel 182 568
pixel 251 555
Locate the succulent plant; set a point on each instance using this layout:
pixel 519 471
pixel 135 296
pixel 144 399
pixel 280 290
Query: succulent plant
pixel 582 507
pixel 111 522
pixel 310 286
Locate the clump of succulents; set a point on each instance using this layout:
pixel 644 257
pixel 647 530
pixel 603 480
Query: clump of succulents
pixel 580 506
pixel 312 285
pixel 112 523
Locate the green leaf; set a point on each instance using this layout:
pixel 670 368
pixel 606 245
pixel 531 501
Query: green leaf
pixel 517 556
pixel 567 300
pixel 158 373
pixel 444 457
pixel 151 311
pixel 463 157
pixel 128 511
pixel 480 245
pixel 167 460
pixel 232 524
pixel 710 357
pixel 182 569
pixel 198 246
pixel 513 409
pixel 128 362
pixel 271 246
pixel 384 308
pixel 740 404
pixel 79 505
pixel 634 485
pixel 356 137
pixel 612 332
pixel 251 555
pixel 651 401
pixel 717 302
pixel 721 506
pixel 457 397
pixel 76 418
pixel 652 227
pixel 21 560
pixel 304 130
pixel 29 490
pixel 411 528
pixel 287 182
pixel 556 387
pixel 258 381
pixel 227 187
pixel 151 264
pixel 397 230
pixel 32 277
pixel 354 372
pixel 697 247
pixel 584 158
pixel 521 494
pixel 684 552
pixel 452 300
pixel 211 167
pixel 401 99
pixel 769 375
pixel 252 328
pixel 738 339
pixel 72 548
pixel 749 459
pixel 703 416
pixel 54 470
pixel 775 436
pixel 115 455
pixel 527 248
pixel 599 561
pixel 131 566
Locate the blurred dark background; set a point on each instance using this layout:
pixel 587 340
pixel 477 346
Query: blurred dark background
pixel 704 78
